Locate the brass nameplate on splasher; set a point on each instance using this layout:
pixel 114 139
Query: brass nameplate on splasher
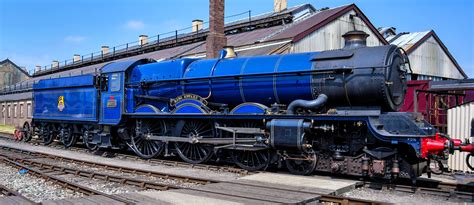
pixel 188 97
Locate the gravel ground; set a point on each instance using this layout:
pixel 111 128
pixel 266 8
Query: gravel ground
pixel 140 164
pixel 100 185
pixel 397 197
pixel 34 188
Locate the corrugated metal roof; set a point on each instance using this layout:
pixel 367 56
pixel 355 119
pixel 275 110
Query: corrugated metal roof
pixel 315 19
pixel 407 40
pixel 321 18
pixel 411 40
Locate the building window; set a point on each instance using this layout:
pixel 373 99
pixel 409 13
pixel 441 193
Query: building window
pixel 28 110
pixel 3 111
pixel 22 114
pixel 9 112
pixel 15 111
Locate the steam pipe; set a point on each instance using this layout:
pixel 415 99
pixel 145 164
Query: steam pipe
pixel 307 104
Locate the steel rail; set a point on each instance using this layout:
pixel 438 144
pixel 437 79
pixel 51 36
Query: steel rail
pixel 443 189
pixel 93 175
pixel 348 200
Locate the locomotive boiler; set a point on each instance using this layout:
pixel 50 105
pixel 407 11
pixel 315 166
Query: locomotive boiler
pixel 348 77
pixel 330 111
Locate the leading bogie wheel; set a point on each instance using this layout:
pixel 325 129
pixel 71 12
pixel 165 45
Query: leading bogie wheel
pixel 140 140
pixel 195 153
pixel 251 160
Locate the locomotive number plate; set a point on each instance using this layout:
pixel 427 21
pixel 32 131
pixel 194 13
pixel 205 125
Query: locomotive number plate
pixel 111 103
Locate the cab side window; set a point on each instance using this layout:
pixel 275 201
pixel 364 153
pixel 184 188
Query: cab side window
pixel 115 82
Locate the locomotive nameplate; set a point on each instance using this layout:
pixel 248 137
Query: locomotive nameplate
pixel 176 100
pixel 61 103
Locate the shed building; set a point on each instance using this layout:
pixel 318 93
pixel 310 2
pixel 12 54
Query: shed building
pixel 430 59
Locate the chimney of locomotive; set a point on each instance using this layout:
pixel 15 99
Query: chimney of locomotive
pixel 216 39
pixel 355 39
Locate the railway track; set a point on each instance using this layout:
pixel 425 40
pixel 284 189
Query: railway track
pixel 46 169
pixel 103 166
pixel 442 189
pixel 115 154
pixel 64 183
pixel 447 190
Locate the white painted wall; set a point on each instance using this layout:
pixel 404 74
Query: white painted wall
pixel 430 59
pixel 329 37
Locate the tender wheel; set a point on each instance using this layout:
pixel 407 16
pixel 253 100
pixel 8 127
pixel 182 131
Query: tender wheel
pixel 251 160
pixel 140 139
pixel 67 137
pixel 87 139
pixel 195 153
pixel 303 166
pixel 27 134
pixel 47 134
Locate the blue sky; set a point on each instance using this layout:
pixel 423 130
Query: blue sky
pixel 36 32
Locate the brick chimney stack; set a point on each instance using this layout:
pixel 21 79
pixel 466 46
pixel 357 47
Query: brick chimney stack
pixel 216 39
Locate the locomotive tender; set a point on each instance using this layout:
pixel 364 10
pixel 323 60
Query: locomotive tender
pixel 330 111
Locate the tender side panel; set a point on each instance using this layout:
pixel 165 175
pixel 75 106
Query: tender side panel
pixel 67 104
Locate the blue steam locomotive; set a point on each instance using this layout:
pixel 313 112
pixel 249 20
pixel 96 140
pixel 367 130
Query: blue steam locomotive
pixel 329 111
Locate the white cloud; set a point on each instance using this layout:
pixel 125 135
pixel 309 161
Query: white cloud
pixel 134 25
pixel 75 39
